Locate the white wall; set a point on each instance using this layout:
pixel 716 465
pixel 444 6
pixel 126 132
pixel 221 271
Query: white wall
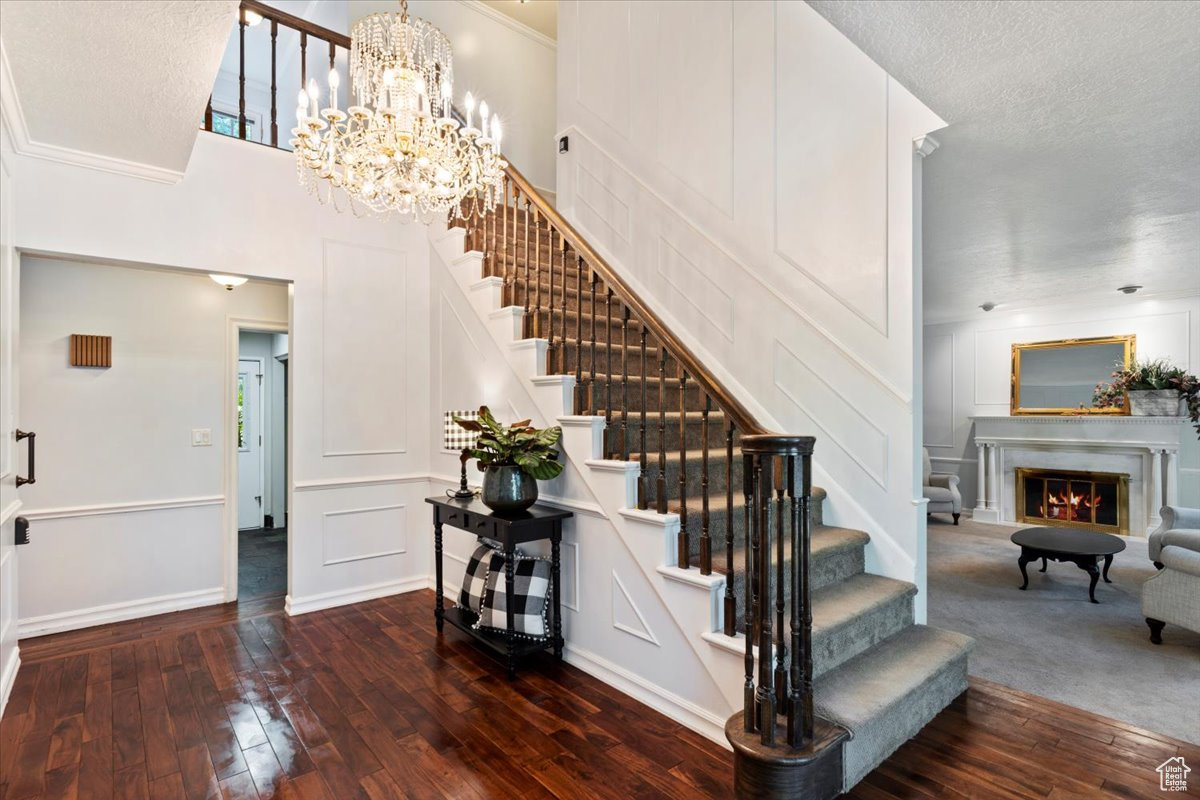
pixel 968 367
pixel 10 502
pixel 359 438
pixel 753 172
pixel 278 474
pixel 509 65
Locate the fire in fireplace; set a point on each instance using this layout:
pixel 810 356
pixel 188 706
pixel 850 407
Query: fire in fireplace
pixel 1094 500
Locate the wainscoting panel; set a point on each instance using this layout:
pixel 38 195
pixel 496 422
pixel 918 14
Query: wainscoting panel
pixel 695 128
pixel 364 334
pixel 711 304
pixel 627 616
pixel 355 534
pixel 939 391
pixel 829 175
pixel 604 63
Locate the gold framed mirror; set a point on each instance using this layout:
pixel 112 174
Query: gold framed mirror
pixel 1060 377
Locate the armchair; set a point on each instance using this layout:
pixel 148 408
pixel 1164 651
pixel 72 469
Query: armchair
pixel 941 489
pixel 1173 595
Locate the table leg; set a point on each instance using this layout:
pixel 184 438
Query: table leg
pixel 439 609
pixel 510 613
pixel 1090 565
pixel 1043 569
pixel 1108 559
pixel 556 565
pixel 1025 558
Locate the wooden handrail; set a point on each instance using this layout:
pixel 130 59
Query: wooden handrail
pixel 290 21
pixel 722 397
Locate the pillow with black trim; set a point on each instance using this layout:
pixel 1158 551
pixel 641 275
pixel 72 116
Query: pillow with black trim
pixel 475 581
pixel 531 587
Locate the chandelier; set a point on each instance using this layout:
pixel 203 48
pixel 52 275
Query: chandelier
pixel 398 149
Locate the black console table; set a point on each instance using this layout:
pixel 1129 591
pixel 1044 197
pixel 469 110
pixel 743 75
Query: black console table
pixel 538 522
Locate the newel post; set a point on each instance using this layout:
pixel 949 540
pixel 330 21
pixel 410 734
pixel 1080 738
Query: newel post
pixel 782 749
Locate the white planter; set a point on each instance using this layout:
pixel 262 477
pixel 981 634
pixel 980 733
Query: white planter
pixel 1155 403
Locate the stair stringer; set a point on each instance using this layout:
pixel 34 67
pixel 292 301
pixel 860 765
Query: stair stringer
pixel 693 601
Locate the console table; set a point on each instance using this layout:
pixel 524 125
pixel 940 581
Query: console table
pixel 534 524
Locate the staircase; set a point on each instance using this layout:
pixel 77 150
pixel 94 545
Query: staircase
pixel 657 418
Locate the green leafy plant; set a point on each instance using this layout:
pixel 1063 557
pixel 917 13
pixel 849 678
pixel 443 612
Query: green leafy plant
pixel 1150 375
pixel 515 445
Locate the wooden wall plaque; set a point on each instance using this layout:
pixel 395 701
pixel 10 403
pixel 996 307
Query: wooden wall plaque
pixel 91 351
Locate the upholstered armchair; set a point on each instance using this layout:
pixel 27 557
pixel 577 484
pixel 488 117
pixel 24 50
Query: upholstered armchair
pixel 941 489
pixel 1173 595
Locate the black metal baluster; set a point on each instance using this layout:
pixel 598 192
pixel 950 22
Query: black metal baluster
pixel 661 483
pixel 705 536
pixel 241 74
pixel 644 467
pixel 685 543
pixel 274 123
pixel 730 596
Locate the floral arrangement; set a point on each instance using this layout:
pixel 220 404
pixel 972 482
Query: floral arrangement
pixel 1148 376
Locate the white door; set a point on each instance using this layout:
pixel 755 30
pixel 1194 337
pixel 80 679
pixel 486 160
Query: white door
pixel 11 462
pixel 249 435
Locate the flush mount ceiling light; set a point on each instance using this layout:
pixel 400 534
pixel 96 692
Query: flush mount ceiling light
pixel 1130 289
pixel 398 148
pixel 988 306
pixel 228 281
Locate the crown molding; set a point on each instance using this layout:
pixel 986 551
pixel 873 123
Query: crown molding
pixel 509 22
pixel 23 145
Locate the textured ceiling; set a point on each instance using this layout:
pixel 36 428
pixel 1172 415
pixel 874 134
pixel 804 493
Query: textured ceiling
pixel 1071 164
pixel 126 79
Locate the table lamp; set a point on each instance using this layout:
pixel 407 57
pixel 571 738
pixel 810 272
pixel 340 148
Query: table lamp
pixel 456 437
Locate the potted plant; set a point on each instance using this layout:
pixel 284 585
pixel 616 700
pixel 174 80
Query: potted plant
pixel 1153 388
pixel 512 458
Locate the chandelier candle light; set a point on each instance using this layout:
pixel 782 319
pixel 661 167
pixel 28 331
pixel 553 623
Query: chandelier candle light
pixel 398 149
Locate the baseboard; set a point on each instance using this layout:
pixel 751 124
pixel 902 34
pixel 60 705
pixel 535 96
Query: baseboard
pixel 358 594
pixel 683 711
pixel 8 676
pixel 118 612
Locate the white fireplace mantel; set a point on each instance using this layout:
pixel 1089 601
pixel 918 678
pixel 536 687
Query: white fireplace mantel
pixel 1144 448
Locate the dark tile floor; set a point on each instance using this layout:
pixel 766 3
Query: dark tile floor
pixel 262 563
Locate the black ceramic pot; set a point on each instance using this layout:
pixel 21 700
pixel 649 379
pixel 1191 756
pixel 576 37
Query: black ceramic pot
pixel 508 489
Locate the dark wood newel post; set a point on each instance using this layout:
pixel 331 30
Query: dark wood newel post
pixel 806 761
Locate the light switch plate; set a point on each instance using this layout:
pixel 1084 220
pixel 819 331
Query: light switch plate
pixel 201 437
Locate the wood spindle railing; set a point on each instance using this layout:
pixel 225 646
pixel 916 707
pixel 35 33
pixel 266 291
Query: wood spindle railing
pixel 624 383
pixel 730 617
pixel 242 73
pixel 643 457
pixel 685 544
pixel 705 535
pixel 537 275
pixel 593 281
pixel 579 336
pixel 274 88
pixel 660 486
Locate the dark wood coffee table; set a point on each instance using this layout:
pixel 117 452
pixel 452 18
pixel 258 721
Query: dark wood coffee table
pixel 1084 549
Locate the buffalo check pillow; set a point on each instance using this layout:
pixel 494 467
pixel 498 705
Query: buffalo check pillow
pixel 475 581
pixel 531 587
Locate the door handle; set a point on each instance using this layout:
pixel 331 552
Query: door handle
pixel 32 437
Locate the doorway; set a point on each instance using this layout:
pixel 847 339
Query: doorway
pixel 260 432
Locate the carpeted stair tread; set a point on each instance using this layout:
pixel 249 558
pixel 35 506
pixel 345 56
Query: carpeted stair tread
pixel 885 695
pixel 855 614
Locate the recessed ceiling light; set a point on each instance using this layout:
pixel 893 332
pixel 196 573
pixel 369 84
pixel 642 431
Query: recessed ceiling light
pixel 988 306
pixel 228 281
pixel 1130 289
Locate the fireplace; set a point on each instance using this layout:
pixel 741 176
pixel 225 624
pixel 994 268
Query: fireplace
pixel 1095 500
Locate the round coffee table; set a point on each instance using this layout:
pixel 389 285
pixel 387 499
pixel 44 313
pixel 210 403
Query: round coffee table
pixel 1082 548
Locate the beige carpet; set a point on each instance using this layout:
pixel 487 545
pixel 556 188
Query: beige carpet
pixel 1049 640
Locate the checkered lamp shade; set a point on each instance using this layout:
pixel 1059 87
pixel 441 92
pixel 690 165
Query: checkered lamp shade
pixel 455 437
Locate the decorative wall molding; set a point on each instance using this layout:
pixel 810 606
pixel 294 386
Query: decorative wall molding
pixel 715 305
pixel 509 22
pixel 326 561
pixel 350 483
pixel 619 591
pixel 100 509
pixel 22 144
pixel 10 510
pixel 118 612
pixel 570 566
pixel 316 602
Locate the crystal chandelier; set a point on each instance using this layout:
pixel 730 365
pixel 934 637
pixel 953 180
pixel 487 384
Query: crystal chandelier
pixel 398 148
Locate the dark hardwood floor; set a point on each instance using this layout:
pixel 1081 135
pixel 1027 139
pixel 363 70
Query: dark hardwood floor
pixel 262 563
pixel 241 701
